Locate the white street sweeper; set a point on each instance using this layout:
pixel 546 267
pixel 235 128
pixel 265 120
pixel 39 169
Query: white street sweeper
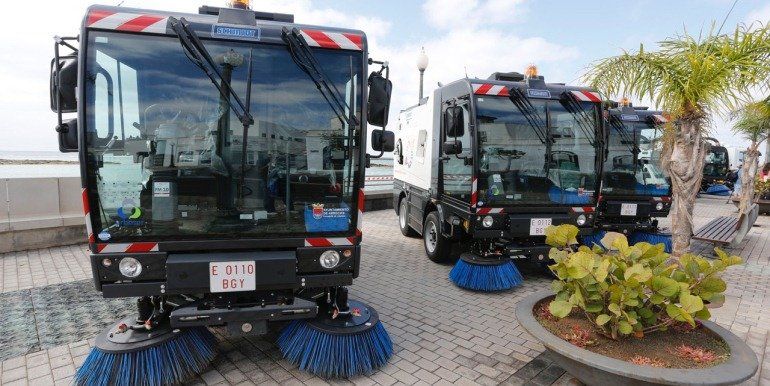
pixel 222 158
pixel 484 166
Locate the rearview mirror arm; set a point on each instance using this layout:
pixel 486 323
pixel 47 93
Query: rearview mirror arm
pixel 386 68
pixel 60 41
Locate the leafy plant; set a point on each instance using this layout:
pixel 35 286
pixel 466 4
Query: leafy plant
pixel 695 354
pixel 631 289
pixel 762 189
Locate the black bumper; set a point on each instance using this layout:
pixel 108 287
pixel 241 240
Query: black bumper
pixel 172 273
pixel 193 315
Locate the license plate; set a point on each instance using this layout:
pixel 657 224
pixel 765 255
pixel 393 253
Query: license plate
pixel 628 209
pixel 537 226
pixel 232 276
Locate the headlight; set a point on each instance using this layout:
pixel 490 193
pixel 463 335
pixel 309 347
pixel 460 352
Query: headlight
pixel 330 259
pixel 659 206
pixel 130 267
pixel 581 220
pixel 487 221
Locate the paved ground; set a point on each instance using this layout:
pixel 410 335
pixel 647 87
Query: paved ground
pixel 442 334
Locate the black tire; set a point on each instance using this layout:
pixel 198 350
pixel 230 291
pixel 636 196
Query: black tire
pixel 437 247
pixel 403 219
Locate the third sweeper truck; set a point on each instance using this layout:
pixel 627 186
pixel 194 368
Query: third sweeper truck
pixel 483 166
pixel 635 191
pixel 222 157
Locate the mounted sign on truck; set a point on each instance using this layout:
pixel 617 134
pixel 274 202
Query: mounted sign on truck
pixel 222 158
pixel 635 190
pixel 485 166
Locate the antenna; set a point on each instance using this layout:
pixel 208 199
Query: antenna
pixel 466 71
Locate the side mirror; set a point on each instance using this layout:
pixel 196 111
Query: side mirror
pixel 452 147
pixel 63 84
pixel 454 125
pixel 68 136
pixel 380 89
pixel 383 140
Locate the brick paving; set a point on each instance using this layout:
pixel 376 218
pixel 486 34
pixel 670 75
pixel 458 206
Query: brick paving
pixel 442 334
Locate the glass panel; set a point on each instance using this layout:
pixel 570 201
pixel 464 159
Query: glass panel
pixel 633 162
pixel 458 172
pixel 175 167
pixel 519 165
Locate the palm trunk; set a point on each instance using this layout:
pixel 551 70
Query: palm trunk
pixel 748 177
pixel 685 167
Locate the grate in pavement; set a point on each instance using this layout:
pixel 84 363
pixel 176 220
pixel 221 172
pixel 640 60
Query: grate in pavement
pixel 53 315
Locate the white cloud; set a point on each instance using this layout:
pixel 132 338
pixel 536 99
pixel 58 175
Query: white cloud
pixel 452 14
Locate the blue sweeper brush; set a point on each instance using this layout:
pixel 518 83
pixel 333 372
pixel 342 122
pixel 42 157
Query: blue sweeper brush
pixel 161 356
pixel 485 274
pixel 633 238
pixel 350 344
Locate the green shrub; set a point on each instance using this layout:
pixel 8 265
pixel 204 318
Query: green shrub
pixel 632 289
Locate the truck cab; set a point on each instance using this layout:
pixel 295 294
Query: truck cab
pixel 635 190
pixel 488 164
pixel 222 158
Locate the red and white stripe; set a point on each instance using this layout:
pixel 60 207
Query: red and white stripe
pixel 583 209
pixel 335 40
pixel 659 118
pixel 330 241
pixel 474 192
pixel 127 248
pixel 87 212
pixel 490 210
pixel 378 178
pixel 490 89
pixel 130 22
pixel 661 199
pixel 587 96
pixel 361 203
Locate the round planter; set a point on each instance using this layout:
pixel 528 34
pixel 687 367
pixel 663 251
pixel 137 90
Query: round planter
pixel 595 369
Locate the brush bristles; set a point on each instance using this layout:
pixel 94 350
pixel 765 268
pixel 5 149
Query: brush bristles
pixel 652 238
pixel 172 362
pixel 335 356
pixel 636 237
pixel 486 278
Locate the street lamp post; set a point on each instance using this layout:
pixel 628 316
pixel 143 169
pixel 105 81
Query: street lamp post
pixel 422 64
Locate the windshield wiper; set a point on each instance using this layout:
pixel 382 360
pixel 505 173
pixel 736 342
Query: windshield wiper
pixel 582 118
pixel 626 139
pixel 528 110
pixel 200 56
pixel 304 58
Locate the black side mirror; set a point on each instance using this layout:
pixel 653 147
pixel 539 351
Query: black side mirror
pixel 454 125
pixel 68 136
pixel 383 140
pixel 380 89
pixel 63 84
pixel 452 147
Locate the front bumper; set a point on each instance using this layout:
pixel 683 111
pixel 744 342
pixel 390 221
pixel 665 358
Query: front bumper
pixel 188 273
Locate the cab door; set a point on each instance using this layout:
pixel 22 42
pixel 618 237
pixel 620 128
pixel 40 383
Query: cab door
pixel 456 170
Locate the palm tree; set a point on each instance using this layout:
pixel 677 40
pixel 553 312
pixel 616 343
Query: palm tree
pixel 753 122
pixel 691 78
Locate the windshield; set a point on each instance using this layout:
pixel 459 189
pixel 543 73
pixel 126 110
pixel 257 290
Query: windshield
pixel 716 163
pixel 633 160
pixel 165 152
pixel 536 151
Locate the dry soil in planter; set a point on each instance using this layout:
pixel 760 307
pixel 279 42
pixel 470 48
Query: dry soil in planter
pixel 658 349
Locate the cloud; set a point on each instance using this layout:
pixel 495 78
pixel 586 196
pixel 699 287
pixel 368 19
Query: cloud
pixel 452 14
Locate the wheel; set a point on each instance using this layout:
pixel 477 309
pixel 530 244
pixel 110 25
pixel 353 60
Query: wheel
pixel 437 247
pixel 403 219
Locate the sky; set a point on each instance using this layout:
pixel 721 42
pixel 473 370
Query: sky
pixel 473 37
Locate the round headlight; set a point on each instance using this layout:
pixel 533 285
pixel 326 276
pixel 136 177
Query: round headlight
pixel 487 221
pixel 581 220
pixel 330 259
pixel 659 206
pixel 130 267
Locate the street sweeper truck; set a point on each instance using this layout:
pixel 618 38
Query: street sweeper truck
pixel 222 157
pixel 635 191
pixel 483 166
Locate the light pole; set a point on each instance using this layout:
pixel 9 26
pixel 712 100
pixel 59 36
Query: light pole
pixel 422 64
